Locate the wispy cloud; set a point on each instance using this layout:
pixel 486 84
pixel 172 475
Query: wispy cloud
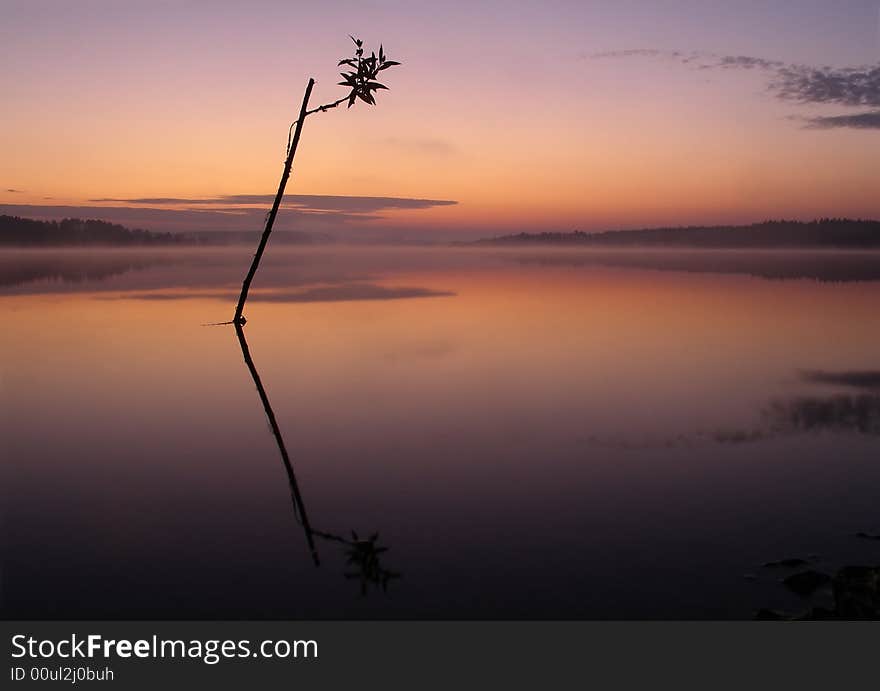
pixel 700 59
pixel 746 62
pixel 802 84
pixel 858 121
pixel 12 190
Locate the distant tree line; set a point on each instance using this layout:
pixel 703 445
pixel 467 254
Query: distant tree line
pixel 18 231
pixel 824 232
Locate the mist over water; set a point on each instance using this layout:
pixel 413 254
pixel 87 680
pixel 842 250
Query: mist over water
pixel 535 433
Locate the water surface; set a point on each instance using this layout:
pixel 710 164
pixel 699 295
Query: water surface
pixel 532 433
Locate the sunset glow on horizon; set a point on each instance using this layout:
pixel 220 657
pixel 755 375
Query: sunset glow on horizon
pixel 553 116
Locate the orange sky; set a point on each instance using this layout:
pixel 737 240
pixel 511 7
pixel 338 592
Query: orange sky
pixel 505 113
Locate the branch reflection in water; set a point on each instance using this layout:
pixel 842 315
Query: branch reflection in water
pixel 362 554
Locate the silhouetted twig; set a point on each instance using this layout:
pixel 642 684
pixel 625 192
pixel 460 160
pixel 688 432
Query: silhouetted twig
pixel 361 79
pixel 239 317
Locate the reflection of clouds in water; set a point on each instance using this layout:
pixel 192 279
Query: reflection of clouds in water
pixel 339 292
pixel 219 270
pixel 861 379
pixel 347 292
pixel 839 413
pixel 71 270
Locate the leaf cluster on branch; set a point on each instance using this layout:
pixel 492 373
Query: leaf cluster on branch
pixel 364 72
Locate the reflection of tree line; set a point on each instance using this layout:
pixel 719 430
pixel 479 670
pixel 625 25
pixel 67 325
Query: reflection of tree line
pixel 19 269
pixel 823 266
pixel 363 555
pixel 853 413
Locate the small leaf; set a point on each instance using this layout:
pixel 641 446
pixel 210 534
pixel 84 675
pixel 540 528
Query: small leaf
pixel 381 54
pixel 387 64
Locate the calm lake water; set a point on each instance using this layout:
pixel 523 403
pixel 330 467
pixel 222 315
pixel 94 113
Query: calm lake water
pixel 532 433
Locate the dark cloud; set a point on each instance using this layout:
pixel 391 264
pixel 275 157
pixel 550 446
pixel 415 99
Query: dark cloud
pixel 300 202
pixel 803 84
pixel 12 190
pixel 843 86
pixel 858 121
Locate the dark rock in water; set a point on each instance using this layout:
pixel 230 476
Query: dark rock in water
pixel 788 563
pixel 765 614
pixel 857 592
pixel 867 536
pixel 805 583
